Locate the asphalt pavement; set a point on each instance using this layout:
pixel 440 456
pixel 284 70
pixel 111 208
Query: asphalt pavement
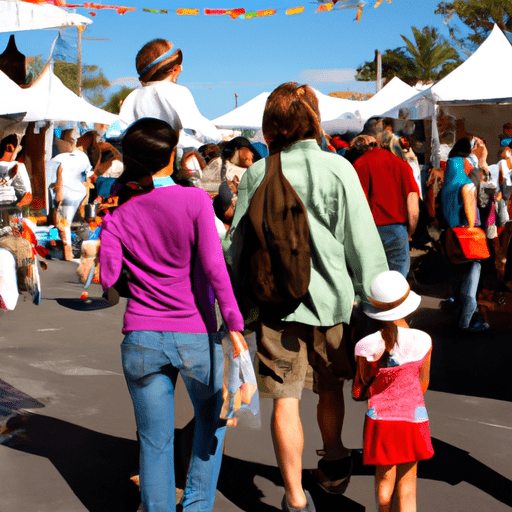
pixel 71 439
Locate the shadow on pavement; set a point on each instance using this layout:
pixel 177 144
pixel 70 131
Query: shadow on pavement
pixel 97 467
pixel 454 466
pixel 472 364
pixel 236 483
pixel 84 304
pixel 12 400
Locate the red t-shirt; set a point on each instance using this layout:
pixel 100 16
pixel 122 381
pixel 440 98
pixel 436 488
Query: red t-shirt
pixel 387 181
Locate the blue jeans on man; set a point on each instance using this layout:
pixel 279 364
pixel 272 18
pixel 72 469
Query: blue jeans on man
pixel 151 361
pixel 395 240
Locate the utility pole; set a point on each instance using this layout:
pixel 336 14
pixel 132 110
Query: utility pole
pixel 79 59
pixel 236 100
pixel 378 65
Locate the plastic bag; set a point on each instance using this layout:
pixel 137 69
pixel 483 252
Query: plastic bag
pixel 8 281
pixel 240 395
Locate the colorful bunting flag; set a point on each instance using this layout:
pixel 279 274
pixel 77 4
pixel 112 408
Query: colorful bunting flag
pixel 187 12
pixel 215 12
pixel 295 10
pixel 325 7
pixel 232 13
pixel 156 11
pixel 266 12
pixel 235 13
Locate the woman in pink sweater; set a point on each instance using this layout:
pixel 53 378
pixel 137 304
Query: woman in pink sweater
pixel 164 239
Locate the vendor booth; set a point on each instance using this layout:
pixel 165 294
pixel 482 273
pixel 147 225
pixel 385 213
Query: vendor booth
pixel 475 98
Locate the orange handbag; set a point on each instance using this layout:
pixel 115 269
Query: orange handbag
pixel 466 244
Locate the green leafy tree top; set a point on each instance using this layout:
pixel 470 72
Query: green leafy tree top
pixel 479 16
pixel 113 105
pixel 94 81
pixel 428 57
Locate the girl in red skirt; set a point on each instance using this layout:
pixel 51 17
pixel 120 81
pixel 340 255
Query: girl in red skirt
pixel 395 363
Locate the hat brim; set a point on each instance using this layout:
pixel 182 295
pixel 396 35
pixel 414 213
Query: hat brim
pixel 406 308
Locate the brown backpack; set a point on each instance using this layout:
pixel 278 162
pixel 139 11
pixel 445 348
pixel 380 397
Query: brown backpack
pixel 271 255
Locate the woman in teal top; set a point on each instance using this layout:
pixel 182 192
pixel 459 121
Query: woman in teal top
pixel 458 198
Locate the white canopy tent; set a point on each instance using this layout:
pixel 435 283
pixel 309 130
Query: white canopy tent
pixel 250 114
pixel 17 16
pixel 12 97
pixel 50 100
pixel 479 92
pixel 394 92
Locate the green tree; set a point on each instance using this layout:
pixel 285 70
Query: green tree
pixel 394 63
pixel 113 105
pixel 479 16
pixel 94 82
pixel 34 67
pixel 428 57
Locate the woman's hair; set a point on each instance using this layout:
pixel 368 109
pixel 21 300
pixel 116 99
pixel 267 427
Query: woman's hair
pixel 147 148
pixel 461 148
pixel 390 337
pixel 291 114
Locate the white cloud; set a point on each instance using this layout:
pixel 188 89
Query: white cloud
pixel 328 75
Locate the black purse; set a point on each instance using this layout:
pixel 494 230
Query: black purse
pixel 119 289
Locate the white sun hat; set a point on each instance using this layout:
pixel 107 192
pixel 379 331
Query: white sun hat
pixel 391 297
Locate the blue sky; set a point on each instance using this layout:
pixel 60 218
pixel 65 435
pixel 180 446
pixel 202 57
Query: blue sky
pixel 223 56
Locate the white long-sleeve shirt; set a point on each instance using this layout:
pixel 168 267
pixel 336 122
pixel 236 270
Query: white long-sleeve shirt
pixel 169 102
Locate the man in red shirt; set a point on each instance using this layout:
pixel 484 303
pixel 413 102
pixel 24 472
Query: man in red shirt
pixel 393 196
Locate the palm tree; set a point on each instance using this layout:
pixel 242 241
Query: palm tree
pixel 429 57
pixel 432 56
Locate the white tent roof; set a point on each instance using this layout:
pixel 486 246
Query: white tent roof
pixel 12 98
pixel 17 15
pixel 394 92
pixel 479 79
pixel 48 99
pixel 250 114
pixel 53 101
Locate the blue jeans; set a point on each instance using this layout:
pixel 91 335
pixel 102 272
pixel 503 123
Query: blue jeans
pixel 468 290
pixel 396 245
pixel 151 362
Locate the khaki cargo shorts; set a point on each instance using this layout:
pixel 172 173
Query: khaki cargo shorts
pixel 285 349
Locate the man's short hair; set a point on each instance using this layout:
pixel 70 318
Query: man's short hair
pixel 10 139
pixel 291 114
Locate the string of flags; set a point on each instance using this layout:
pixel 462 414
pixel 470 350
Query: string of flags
pixel 232 13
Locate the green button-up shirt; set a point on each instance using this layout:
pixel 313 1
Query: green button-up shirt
pixel 346 250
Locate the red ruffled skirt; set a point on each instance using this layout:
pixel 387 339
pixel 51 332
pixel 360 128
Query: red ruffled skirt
pixel 386 443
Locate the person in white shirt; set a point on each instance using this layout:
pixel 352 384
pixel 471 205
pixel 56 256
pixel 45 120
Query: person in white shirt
pixel 15 187
pixel 162 98
pixel 66 175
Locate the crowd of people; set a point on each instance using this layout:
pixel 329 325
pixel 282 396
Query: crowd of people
pixel 171 219
pixel 162 242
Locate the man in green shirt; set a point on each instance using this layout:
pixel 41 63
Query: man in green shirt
pixel 346 255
